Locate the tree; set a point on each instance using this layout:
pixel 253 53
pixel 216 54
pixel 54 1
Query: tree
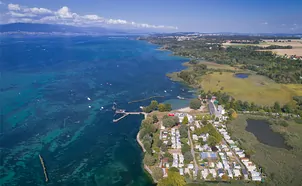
pixel 184 140
pixel 157 173
pixel 161 107
pixel 198 117
pixel 159 143
pixel 164 147
pixel 173 179
pixel 201 142
pixel 233 114
pixel 277 107
pixel 188 157
pixel 153 105
pixel 147 138
pixel 168 107
pixel 147 109
pixel 147 122
pixel 169 122
pixel 212 141
pixel 185 148
pixel 149 160
pixel 287 108
pixel 185 120
pixel 183 131
pixel 147 146
pixel 155 119
pixel 175 119
pixel 195 104
pixel 169 156
pixel 224 177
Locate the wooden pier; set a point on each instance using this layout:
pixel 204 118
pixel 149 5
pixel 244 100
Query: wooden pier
pixel 126 114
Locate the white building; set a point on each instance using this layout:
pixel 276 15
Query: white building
pixel 237 173
pixel 213 172
pixel 204 173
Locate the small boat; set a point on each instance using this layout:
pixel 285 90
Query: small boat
pixel 180 97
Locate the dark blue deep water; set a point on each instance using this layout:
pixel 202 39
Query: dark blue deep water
pixel 45 82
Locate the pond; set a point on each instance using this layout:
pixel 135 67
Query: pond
pixel 241 75
pixel 261 129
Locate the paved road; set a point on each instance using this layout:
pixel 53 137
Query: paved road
pixel 234 154
pixel 193 153
pixel 211 108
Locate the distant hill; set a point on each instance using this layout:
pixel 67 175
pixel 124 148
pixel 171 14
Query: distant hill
pixel 48 28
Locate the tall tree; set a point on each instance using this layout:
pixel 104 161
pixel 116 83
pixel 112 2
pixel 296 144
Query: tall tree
pixel 195 104
pixel 185 120
pixel 153 105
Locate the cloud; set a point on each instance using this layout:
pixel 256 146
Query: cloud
pixel 13 7
pixel 1 3
pixel 18 13
pixel 265 23
pixel 38 10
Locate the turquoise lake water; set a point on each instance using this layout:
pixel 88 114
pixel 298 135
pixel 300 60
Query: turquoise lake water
pixel 45 84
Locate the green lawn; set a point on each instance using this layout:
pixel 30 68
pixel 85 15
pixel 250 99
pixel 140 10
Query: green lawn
pixel 258 89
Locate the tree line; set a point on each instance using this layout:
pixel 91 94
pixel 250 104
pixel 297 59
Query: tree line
pixel 281 69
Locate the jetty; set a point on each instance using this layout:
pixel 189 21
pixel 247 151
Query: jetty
pixel 152 97
pixel 121 111
pixel 44 168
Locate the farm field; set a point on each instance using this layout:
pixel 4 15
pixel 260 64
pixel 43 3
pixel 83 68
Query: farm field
pixel 296 44
pixel 258 89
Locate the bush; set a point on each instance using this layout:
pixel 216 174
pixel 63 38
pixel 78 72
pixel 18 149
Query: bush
pixel 283 123
pixel 298 120
pixel 195 104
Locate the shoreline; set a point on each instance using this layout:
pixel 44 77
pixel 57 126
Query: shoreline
pixel 147 169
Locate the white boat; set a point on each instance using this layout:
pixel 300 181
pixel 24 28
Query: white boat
pixel 180 97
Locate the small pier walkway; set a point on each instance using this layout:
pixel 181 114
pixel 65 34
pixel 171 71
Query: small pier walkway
pixel 126 114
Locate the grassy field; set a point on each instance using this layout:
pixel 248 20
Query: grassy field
pixel 255 88
pixel 283 167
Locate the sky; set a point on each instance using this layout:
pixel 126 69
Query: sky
pixel 242 16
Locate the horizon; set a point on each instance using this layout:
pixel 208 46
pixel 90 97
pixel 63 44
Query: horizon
pixel 216 16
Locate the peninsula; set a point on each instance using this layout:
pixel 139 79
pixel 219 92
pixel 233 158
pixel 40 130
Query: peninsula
pixel 236 85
